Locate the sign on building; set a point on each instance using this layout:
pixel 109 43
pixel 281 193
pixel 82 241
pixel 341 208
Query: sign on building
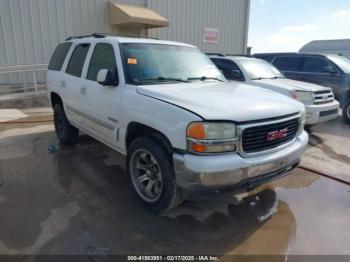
pixel 211 35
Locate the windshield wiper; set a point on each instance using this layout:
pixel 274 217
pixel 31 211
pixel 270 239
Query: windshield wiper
pixel 161 78
pixel 261 78
pixel 203 78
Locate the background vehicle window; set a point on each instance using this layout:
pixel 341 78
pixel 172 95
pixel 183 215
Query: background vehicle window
pixel 103 57
pixel 226 66
pixel 315 64
pixel 59 55
pixel 76 62
pixel 292 64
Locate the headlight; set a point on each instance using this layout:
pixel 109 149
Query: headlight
pixel 306 98
pixel 207 137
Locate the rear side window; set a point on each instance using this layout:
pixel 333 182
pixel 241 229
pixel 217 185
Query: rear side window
pixel 314 64
pixel 59 55
pixel 292 64
pixel 103 57
pixel 76 62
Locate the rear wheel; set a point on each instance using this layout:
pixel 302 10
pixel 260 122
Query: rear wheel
pixel 66 133
pixel 346 112
pixel 152 174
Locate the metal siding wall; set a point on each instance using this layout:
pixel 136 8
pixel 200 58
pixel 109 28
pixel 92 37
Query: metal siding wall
pixel 31 29
pixel 189 17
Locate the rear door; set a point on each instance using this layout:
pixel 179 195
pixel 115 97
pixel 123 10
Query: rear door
pixel 100 104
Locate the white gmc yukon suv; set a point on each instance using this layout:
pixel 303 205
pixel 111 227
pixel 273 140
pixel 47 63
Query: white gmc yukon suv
pixel 183 128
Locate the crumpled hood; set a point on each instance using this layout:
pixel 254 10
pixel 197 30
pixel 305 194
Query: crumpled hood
pixel 290 84
pixel 224 101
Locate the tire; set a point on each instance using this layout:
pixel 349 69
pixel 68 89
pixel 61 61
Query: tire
pixel 346 112
pixel 66 133
pixel 147 160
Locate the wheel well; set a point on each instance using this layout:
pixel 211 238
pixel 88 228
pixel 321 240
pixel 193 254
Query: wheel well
pixel 136 130
pixel 55 98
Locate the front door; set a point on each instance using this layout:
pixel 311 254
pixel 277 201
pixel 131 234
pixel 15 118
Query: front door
pixel 100 104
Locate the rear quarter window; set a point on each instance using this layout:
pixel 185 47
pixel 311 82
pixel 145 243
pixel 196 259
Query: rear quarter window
pixel 59 55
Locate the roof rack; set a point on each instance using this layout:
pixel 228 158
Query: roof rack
pixel 95 35
pixel 103 35
pixel 217 54
pixel 238 55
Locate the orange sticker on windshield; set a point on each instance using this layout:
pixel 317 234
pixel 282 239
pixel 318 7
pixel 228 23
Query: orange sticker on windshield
pixel 132 61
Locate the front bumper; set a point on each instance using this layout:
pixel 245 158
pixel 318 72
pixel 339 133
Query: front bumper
pixel 219 172
pixel 314 113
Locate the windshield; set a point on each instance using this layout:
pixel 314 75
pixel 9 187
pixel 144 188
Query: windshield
pixel 158 63
pixel 341 61
pixel 260 69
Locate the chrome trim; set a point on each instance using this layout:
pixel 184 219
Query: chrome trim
pixel 230 141
pixel 241 128
pixel 97 121
pixel 112 119
pixel 213 141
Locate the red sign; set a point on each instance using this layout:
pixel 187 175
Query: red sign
pixel 211 35
pixel 274 135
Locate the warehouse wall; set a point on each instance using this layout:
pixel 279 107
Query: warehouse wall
pixel 31 29
pixel 189 17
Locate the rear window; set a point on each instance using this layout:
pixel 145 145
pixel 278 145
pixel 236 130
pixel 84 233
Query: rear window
pixel 291 64
pixel 77 60
pixel 59 56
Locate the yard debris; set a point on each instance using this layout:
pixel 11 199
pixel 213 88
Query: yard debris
pixel 53 148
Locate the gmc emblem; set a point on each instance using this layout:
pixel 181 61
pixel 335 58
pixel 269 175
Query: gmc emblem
pixel 274 135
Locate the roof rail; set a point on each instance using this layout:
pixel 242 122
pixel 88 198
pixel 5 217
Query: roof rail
pixel 238 55
pixel 95 35
pixel 217 54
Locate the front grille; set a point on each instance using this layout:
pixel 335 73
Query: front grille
pixel 329 112
pixel 258 138
pixel 322 97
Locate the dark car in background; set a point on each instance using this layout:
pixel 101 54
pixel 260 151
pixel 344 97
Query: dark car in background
pixel 329 70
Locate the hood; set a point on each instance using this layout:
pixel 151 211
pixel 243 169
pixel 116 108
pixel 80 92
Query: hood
pixel 290 84
pixel 224 101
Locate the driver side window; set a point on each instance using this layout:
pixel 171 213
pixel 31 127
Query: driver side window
pixel 229 69
pixel 103 57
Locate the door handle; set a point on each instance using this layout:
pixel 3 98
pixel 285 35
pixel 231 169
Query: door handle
pixel 63 84
pixel 83 91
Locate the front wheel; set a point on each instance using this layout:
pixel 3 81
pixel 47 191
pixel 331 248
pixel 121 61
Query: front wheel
pixel 346 112
pixel 152 175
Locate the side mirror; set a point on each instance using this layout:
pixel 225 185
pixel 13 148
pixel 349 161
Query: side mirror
pixel 236 74
pixel 329 69
pixel 106 77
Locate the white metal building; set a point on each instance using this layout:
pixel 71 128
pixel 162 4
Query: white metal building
pixel 31 29
pixel 336 46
